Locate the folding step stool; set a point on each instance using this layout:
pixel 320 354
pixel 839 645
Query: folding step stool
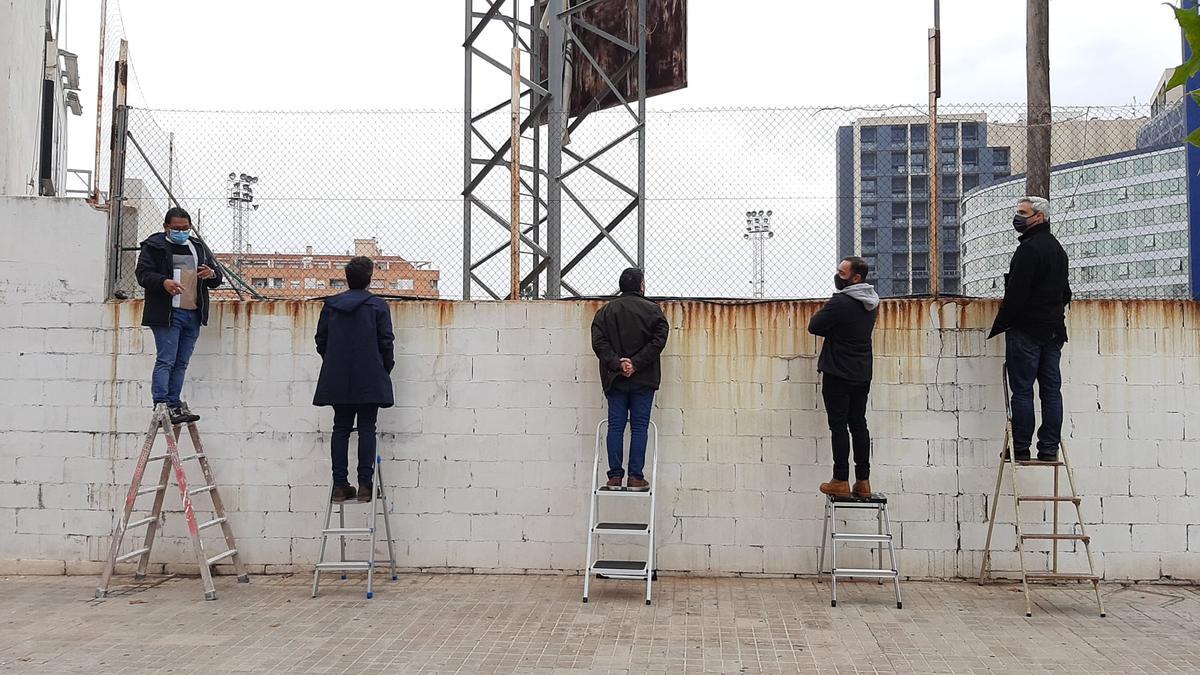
pixel 161 420
pixel 620 569
pixel 1008 457
pixel 379 507
pixel 882 537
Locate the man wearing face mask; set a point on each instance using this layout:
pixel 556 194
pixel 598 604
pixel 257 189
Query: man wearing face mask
pixel 846 322
pixel 177 270
pixel 1032 318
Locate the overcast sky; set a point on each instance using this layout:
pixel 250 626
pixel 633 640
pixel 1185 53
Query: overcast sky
pixel 404 54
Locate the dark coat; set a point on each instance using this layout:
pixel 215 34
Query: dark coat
pixel 1036 290
pixel 630 327
pixel 846 322
pixel 354 338
pixel 154 267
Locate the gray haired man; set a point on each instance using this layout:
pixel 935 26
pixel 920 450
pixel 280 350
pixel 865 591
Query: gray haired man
pixel 1033 319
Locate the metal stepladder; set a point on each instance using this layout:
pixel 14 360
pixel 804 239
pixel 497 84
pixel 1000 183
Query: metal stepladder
pixel 171 460
pixel 1008 458
pixel 620 569
pixel 882 537
pixel 379 507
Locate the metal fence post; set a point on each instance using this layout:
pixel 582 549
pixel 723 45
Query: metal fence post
pixel 116 178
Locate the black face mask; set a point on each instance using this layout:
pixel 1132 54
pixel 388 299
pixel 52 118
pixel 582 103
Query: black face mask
pixel 840 283
pixel 1020 223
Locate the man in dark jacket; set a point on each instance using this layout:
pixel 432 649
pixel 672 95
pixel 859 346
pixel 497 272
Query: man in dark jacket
pixel 628 336
pixel 354 338
pixel 1033 319
pixel 177 270
pixel 846 323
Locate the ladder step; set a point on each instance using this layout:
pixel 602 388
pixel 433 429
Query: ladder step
pixel 206 488
pixel 1046 498
pixel 1037 463
pixel 1058 537
pixel 852 572
pixel 214 521
pixel 188 458
pixel 1060 576
pixel 222 556
pixel 143 521
pixel 621 528
pixel 620 569
pixel 621 493
pixel 155 458
pixel 348 530
pixel 153 488
pixel 131 554
pixel 344 565
pixel 851 536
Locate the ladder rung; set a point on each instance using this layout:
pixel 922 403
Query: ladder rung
pixel 131 554
pixel 206 488
pixel 344 565
pixel 1060 537
pixel 153 488
pixel 853 572
pixel 214 521
pixel 143 521
pixel 188 458
pixel 1060 576
pixel 1032 462
pixel 1046 498
pixel 155 458
pixel 222 556
pixel 621 528
pixel 854 536
pixel 622 493
pixel 348 530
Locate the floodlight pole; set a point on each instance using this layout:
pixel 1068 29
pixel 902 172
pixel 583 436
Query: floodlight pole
pixel 935 91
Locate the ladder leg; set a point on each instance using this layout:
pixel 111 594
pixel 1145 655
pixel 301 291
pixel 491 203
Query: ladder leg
pixel 218 505
pixel 155 512
pixel 371 549
pixel 833 566
pixel 1087 544
pixel 587 565
pixel 134 484
pixel 1054 542
pixel 887 522
pixel 342 539
pixel 879 530
pixel 324 542
pixel 987 544
pixel 386 506
pixel 189 514
pixel 824 538
pixel 1020 540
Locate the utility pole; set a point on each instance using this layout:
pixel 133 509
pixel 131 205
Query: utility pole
pixel 935 92
pixel 1037 77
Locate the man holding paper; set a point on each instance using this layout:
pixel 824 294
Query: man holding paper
pixel 177 270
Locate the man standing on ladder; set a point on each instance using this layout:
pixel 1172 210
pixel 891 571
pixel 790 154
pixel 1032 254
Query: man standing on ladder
pixel 177 271
pixel 847 322
pixel 1032 317
pixel 628 336
pixel 355 341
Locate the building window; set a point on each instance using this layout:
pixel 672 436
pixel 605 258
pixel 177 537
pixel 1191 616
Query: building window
pixel 970 182
pixel 899 187
pixel 917 162
pixel 433 284
pixel 920 211
pixel 868 239
pixel 868 187
pixel 1123 270
pixel 919 134
pixel 382 265
pixel 258 282
pixel 310 283
pixel 867 135
pixel 900 211
pixel 377 284
pixel 949 161
pixel 402 284
pixel 947 133
pixel 869 162
pixel 295 283
pixel 868 210
pixel 899 135
pixel 970 132
pixel 337 283
pixel 970 157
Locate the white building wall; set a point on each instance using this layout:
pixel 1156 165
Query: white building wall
pixel 22 49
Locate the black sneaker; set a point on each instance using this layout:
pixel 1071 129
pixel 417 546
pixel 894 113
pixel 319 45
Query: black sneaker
pixel 1022 455
pixel 183 406
pixel 178 416
pixel 1049 458
pixel 365 490
pixel 342 493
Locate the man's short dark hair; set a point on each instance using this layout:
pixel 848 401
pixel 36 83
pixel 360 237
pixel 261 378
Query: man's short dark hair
pixel 631 280
pixel 358 272
pixel 176 212
pixel 857 266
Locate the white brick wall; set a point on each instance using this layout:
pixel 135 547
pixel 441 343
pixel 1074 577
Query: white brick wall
pixel 489 449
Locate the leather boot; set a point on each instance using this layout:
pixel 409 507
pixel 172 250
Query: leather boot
pixel 862 489
pixel 836 488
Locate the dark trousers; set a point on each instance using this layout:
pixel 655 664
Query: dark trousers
pixel 343 423
pixel 846 407
pixel 633 406
pixel 1027 361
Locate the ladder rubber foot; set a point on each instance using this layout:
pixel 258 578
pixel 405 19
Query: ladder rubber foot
pixel 647 602
pixel 101 594
pixel 395 577
pixel 1102 615
pixel 654 575
pixel 343 577
pixel 1028 614
pixel 244 579
pixel 210 595
pixel 584 599
pixel 899 605
pixel 139 577
pixel 370 595
pixel 833 603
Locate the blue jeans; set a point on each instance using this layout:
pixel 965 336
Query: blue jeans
pixel 634 407
pixel 174 345
pixel 343 423
pixel 1028 360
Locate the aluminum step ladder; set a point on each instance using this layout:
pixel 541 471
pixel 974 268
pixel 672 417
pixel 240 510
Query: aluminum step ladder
pixel 379 509
pixel 882 537
pixel 636 570
pixel 172 462
pixel 1054 574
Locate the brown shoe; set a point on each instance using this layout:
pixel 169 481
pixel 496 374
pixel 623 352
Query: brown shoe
pixel 341 493
pixel 613 483
pixel 637 484
pixel 365 492
pixel 862 489
pixel 836 488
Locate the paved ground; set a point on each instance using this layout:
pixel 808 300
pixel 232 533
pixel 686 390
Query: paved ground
pixel 469 624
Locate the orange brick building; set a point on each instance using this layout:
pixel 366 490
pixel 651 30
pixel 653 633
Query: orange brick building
pixel 308 274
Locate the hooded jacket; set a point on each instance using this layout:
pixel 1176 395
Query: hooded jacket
pixel 630 327
pixel 846 322
pixel 154 267
pixel 1036 289
pixel 355 341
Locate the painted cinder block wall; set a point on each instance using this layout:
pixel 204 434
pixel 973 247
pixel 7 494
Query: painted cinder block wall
pixel 489 450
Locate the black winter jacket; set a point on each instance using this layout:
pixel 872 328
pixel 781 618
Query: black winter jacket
pixel 630 327
pixel 355 341
pixel 1036 290
pixel 846 322
pixel 154 267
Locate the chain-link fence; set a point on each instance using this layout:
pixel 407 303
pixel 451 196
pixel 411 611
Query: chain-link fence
pixel 740 203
